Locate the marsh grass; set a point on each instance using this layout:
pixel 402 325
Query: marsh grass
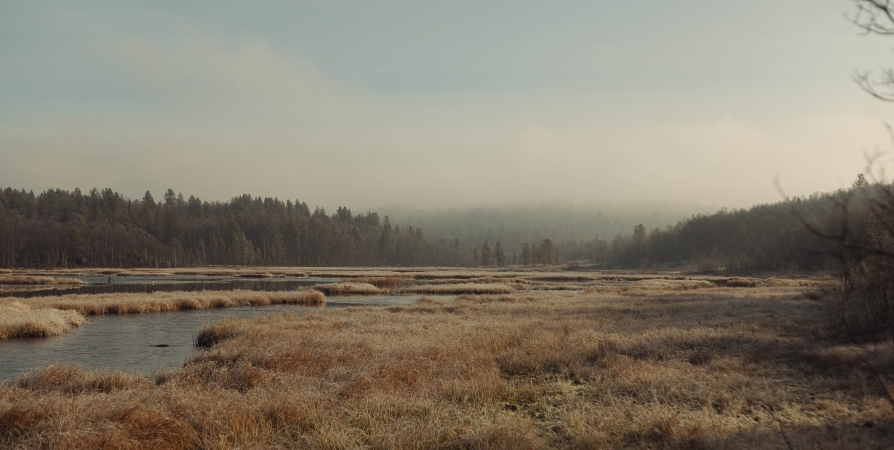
pixel 347 288
pixel 20 320
pixel 386 283
pixel 458 289
pixel 693 367
pixel 479 280
pixel 35 280
pixel 133 303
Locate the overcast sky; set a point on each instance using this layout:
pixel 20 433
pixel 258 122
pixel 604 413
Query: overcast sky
pixel 458 103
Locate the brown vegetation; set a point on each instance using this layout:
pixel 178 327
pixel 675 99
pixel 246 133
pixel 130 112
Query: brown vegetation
pixel 170 301
pixel 387 283
pixel 25 280
pixel 347 289
pixel 465 288
pixel 19 320
pixel 705 367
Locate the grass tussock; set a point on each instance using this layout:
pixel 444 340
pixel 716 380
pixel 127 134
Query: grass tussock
pixel 686 369
pixel 386 283
pixel 33 280
pixel 458 289
pixel 743 282
pixel 650 287
pixel 121 303
pixel 20 320
pixel 347 288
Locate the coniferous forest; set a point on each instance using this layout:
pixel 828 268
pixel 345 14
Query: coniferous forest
pixel 101 228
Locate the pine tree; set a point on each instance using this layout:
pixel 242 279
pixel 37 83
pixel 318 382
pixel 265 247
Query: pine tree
pixel 487 254
pixel 499 256
pixel 386 241
pixel 527 255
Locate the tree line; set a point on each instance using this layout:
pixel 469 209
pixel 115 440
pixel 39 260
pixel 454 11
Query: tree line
pixel 59 228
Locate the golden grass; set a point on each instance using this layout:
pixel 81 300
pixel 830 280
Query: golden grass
pixel 387 283
pixel 347 288
pixel 458 289
pixel 20 280
pixel 120 303
pixel 479 280
pixel 743 282
pixel 681 368
pixel 20 320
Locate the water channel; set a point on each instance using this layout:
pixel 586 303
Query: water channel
pixel 145 342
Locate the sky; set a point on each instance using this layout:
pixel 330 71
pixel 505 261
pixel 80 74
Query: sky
pixel 439 104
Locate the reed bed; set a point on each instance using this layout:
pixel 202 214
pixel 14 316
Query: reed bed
pixel 459 289
pixel 20 320
pixel 699 368
pixel 135 303
pixel 347 288
pixel 33 280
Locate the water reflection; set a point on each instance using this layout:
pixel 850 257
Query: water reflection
pixel 145 342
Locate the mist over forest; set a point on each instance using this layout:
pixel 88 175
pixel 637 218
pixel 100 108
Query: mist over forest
pixel 516 223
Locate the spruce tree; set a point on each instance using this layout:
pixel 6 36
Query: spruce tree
pixel 487 254
pixel 499 256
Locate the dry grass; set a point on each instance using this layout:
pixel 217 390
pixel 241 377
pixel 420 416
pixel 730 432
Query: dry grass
pixel 386 283
pixel 347 289
pixel 31 280
pixel 19 320
pixel 458 289
pixel 479 280
pixel 171 301
pixel 743 282
pixel 649 287
pixel 681 368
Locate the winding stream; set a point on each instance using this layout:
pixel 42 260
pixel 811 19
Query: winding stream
pixel 146 342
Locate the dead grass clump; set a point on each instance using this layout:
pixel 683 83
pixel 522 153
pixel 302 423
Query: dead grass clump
pixel 136 303
pixel 458 289
pixel 386 283
pixel 73 380
pixel 488 299
pixel 558 287
pixel 255 275
pixel 217 332
pixel 347 288
pixel 20 320
pixel 31 280
pixel 742 282
pixel 650 287
pixel 26 280
pixel 560 278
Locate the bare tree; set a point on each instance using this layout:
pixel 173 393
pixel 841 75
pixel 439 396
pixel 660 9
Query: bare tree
pixel 875 17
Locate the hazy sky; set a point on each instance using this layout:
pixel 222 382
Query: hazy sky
pixel 456 103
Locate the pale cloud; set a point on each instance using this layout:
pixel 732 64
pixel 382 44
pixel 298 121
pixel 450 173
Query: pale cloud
pixel 210 111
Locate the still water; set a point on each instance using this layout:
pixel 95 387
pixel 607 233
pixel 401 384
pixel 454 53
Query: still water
pixel 145 342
